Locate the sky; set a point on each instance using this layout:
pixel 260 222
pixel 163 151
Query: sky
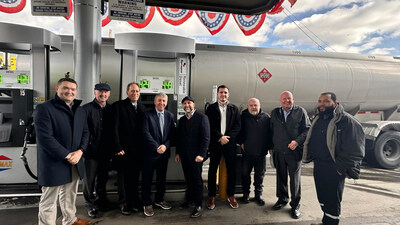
pixel 349 26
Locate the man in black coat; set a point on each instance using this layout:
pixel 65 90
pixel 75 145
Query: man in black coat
pixel 96 163
pixel 158 132
pixel 128 148
pixel 290 124
pixel 62 137
pixel 191 149
pixel 336 144
pixel 224 120
pixel 255 139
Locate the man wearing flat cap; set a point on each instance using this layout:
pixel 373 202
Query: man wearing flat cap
pixel 193 141
pixel 96 163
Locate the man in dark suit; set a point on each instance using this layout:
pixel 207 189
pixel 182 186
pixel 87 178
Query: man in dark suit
pixel 191 149
pixel 158 131
pixel 62 137
pixel 224 127
pixel 128 150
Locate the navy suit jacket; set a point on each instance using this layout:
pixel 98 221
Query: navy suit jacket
pixel 59 131
pixel 152 133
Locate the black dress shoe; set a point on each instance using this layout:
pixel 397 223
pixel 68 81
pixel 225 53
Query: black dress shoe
pixel 126 210
pixel 295 213
pixel 245 199
pixel 259 200
pixel 93 213
pixel 196 212
pixel 186 204
pixel 279 205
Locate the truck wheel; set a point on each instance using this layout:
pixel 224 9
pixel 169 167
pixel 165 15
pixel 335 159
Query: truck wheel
pixel 387 150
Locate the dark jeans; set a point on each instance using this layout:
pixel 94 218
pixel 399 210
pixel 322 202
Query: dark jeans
pixel 192 171
pixel 248 163
pixel 102 178
pixel 89 182
pixel 230 158
pixel 160 166
pixel 287 163
pixel 329 185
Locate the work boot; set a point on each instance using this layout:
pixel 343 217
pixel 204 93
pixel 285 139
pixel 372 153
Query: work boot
pixel 245 198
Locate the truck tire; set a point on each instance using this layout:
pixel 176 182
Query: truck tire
pixel 387 150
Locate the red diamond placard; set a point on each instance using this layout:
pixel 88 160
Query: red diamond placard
pixel 264 75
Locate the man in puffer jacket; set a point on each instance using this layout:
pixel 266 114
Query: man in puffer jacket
pixel 336 144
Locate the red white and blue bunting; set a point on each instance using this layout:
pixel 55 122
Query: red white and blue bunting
pixel 214 22
pixel 149 14
pixel 12 6
pixel 104 18
pixel 249 24
pixel 175 16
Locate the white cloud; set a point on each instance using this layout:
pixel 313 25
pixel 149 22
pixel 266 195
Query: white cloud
pixel 381 51
pixel 346 29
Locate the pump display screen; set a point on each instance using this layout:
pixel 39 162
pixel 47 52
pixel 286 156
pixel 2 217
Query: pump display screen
pixel 167 85
pixel 144 84
pixel 23 79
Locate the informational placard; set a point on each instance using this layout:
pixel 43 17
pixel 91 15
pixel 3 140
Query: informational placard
pixel 127 10
pixel 50 8
pixel 13 62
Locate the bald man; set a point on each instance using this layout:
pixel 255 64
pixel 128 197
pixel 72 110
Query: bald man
pixel 290 124
pixel 255 139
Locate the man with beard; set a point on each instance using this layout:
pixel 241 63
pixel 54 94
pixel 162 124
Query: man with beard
pixel 224 120
pixel 255 139
pixel 96 163
pixel 128 149
pixel 290 124
pixel 336 144
pixel 191 149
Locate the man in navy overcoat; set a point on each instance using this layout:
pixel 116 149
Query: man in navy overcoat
pixel 62 137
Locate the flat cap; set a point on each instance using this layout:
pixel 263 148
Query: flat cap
pixel 187 98
pixel 102 86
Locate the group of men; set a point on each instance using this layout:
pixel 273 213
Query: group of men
pixel 141 140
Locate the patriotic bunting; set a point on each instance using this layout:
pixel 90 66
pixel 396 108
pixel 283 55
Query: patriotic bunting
pixel 249 24
pixel 148 17
pixel 175 16
pixel 292 2
pixel 12 6
pixel 277 8
pixel 214 22
pixel 70 6
pixel 104 18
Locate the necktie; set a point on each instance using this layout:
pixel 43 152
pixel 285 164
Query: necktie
pixel 161 118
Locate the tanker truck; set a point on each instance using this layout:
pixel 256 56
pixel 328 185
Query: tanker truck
pixel 366 85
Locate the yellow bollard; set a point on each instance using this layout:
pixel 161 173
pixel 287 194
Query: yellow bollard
pixel 222 179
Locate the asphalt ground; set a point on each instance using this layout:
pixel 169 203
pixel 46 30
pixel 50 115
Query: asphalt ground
pixel 373 199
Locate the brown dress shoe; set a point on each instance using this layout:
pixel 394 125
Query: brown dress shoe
pixel 81 222
pixel 211 203
pixel 232 202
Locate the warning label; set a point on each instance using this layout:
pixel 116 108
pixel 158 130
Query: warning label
pixel 265 75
